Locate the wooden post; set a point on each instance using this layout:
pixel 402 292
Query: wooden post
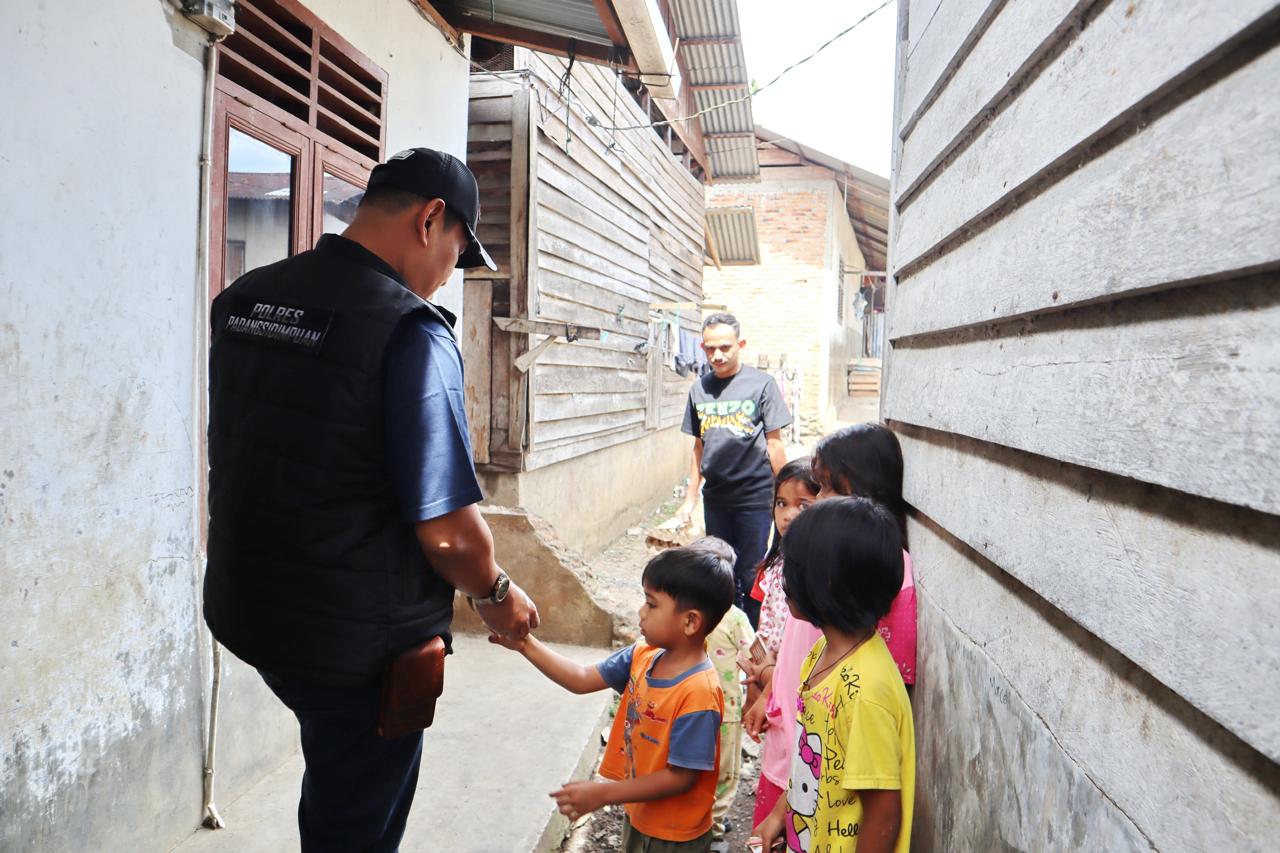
pixel 521 168
pixel 477 337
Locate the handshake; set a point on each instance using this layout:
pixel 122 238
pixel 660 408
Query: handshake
pixel 510 619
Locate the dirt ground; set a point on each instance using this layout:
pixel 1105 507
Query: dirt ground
pixel 615 574
pixel 601 832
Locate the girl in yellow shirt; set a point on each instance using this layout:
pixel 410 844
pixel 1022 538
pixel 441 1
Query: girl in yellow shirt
pixel 853 771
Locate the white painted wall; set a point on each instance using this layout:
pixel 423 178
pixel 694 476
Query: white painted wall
pixel 427 89
pixel 102 648
pixel 100 729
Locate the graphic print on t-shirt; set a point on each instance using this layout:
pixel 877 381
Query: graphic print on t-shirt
pixel 737 416
pixel 731 418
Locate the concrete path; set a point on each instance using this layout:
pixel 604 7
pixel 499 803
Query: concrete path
pixel 504 737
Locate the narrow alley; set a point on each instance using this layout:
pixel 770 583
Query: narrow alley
pixel 552 426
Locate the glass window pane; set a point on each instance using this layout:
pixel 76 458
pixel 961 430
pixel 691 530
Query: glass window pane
pixel 340 200
pixel 259 205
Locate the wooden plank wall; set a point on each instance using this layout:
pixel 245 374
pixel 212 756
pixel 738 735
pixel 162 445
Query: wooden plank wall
pixel 619 225
pixel 501 154
pixel 1084 370
pixel 487 293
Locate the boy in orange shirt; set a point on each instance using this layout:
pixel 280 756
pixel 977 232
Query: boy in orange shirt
pixel 664 750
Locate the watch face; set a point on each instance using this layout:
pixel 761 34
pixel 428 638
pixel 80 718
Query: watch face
pixel 501 587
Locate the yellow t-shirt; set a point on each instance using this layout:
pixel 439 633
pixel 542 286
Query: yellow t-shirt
pixel 854 732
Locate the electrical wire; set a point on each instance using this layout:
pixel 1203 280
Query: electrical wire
pixel 593 121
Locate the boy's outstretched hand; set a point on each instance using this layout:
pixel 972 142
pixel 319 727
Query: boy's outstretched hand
pixel 578 798
pixel 508 643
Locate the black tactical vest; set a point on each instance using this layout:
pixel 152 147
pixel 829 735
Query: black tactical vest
pixel 313 572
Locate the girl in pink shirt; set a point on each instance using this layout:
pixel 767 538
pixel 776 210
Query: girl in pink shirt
pixel 865 461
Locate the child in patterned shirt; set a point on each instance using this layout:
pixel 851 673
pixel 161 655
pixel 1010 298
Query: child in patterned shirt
pixel 726 645
pixel 793 489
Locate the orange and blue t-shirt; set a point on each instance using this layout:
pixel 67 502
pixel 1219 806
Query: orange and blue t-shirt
pixel 665 722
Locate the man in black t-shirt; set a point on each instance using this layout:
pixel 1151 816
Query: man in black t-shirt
pixel 736 415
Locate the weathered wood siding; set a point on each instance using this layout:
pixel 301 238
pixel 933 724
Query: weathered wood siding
pixel 487 293
pixel 619 225
pixel 1084 371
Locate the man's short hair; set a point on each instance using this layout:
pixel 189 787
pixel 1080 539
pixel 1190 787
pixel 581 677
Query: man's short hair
pixel 699 577
pixel 390 199
pixel 723 319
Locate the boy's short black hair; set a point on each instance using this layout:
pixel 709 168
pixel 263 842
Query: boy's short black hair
pixel 698 576
pixel 723 319
pixel 844 563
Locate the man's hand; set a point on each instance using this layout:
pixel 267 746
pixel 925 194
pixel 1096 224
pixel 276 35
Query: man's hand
pixel 685 513
pixel 513 618
pixel 578 798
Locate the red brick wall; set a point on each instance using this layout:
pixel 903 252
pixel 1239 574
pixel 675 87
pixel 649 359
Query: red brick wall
pixel 780 301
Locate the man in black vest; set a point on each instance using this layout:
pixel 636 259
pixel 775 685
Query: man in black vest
pixel 342 496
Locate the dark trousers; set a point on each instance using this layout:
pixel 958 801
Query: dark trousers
pixel 747 531
pixel 358 787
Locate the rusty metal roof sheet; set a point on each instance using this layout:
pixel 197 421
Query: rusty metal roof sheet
pixel 577 19
pixel 734 231
pixel 711 47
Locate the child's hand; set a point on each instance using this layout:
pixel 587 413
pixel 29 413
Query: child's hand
pixel 578 798
pixel 770 831
pixel 755 675
pixel 506 643
pixel 755 720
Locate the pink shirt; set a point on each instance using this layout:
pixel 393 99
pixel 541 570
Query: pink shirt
pixel 898 628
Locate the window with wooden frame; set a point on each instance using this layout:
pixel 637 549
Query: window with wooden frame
pixel 299 122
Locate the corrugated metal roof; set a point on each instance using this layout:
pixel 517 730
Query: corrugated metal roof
pixel 576 19
pixel 732 157
pixel 708 64
pixel 734 231
pixel 866 195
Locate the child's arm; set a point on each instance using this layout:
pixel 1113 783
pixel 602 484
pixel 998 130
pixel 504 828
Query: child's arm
pixel 578 798
pixel 756 720
pixel 571 675
pixel 770 830
pixel 693 740
pixel 881 820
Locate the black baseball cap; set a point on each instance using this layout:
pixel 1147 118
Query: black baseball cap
pixel 435 174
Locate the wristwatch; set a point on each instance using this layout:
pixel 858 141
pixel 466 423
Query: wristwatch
pixel 498 593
